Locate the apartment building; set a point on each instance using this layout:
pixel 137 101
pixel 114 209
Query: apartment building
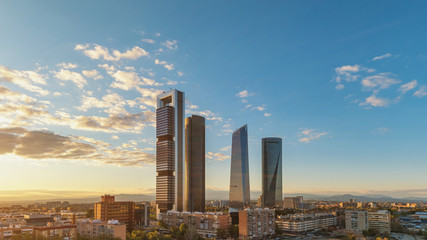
pixel 97 228
pixel 256 223
pixel 206 224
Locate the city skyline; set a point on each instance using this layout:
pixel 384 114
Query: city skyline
pixel 78 91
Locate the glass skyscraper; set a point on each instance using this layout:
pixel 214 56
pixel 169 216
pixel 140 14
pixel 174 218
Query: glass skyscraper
pixel 239 176
pixel 194 164
pixel 170 151
pixel 271 172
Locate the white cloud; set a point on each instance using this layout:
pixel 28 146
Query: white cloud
pixel 381 81
pixel 113 103
pixel 75 77
pixel 100 52
pixel 191 106
pixel 308 135
pixel 259 108
pixel 244 94
pixel 387 55
pixel 171 44
pixel 170 82
pixel 168 66
pixel 421 92
pixel 180 73
pixel 226 149
pixel 408 86
pixel 129 80
pixel 151 41
pixel 375 101
pixel 267 114
pixel 381 131
pixel 217 156
pixel 24 79
pixel 67 65
pixel 94 74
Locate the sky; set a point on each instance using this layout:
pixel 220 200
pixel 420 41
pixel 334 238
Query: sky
pixel 343 83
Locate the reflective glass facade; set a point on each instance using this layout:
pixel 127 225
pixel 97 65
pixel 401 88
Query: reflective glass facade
pixel 194 164
pixel 239 176
pixel 271 172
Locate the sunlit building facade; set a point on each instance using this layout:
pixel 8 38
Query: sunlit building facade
pixel 239 176
pixel 170 151
pixel 122 211
pixel 271 172
pixel 195 164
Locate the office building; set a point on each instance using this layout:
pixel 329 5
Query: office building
pixel 272 172
pixel 293 202
pixel 239 176
pixel 170 151
pixel 97 228
pixel 256 223
pixel 122 211
pixel 195 164
pixel 364 220
pixel 206 224
pixel 380 221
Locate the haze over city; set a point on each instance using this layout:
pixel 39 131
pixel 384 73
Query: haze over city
pixel 344 84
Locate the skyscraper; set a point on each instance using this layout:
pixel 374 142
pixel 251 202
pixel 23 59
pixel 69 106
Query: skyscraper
pixel 195 164
pixel 169 151
pixel 271 171
pixel 239 176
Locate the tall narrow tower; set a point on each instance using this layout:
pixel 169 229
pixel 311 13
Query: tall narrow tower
pixel 271 172
pixel 170 151
pixel 195 164
pixel 239 176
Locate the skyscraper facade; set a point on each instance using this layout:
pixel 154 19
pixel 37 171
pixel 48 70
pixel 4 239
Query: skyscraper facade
pixel 194 164
pixel 271 172
pixel 239 176
pixel 170 151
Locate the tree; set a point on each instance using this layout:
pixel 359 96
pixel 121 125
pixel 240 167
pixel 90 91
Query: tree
pixel 90 213
pixel 278 230
pixel 221 234
pixel 234 231
pixel 162 224
pixel 183 228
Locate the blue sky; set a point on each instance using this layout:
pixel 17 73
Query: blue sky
pixel 344 83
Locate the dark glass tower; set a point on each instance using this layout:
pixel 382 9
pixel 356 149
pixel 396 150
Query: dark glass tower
pixel 271 172
pixel 239 176
pixel 195 164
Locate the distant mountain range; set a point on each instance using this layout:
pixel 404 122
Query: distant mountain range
pixel 210 195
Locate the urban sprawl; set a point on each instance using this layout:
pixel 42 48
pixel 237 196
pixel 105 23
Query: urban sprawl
pixel 181 211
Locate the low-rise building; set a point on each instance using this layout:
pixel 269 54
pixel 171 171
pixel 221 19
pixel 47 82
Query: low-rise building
pixel 97 228
pixel 256 223
pixel 299 223
pixel 206 224
pixel 38 219
pixel 73 216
